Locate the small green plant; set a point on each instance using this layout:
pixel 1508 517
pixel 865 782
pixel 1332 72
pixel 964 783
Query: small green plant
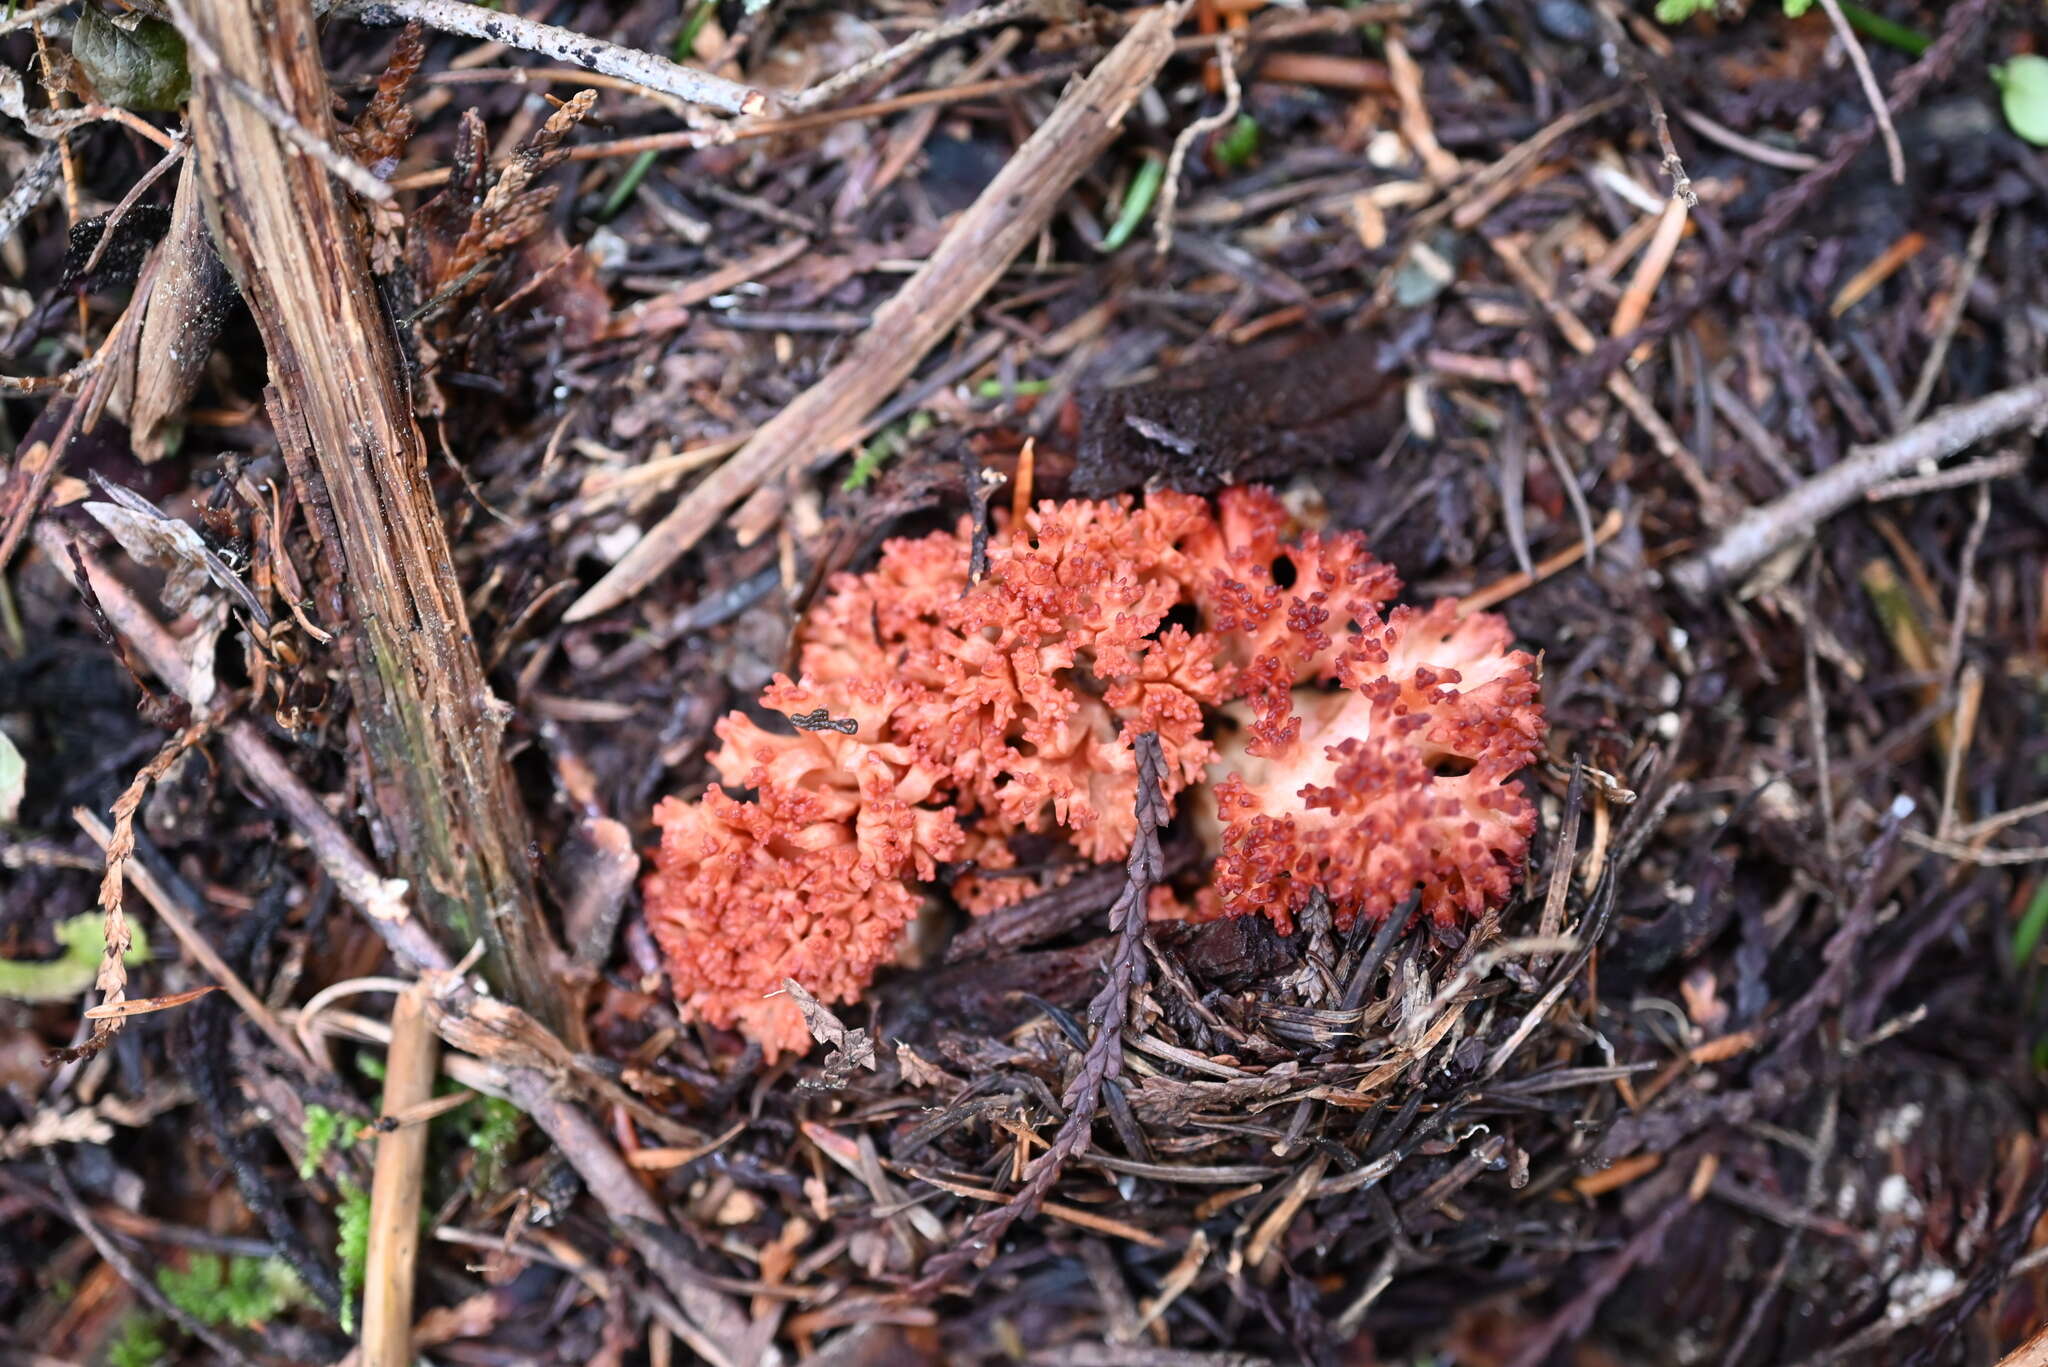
pixel 239 1291
pixel 140 1343
pixel 135 61
pixel 326 1131
pixel 83 940
pixel 1238 144
pixel 993 389
pixel 2023 91
pixel 1137 202
pixel 1869 23
pixel 889 443
pixel 353 1249
pixel 1678 11
pixel 493 1129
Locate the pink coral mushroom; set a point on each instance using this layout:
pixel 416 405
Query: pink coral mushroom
pixel 1370 756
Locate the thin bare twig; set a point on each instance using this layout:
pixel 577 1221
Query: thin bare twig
pixel 130 200
pixel 1169 190
pixel 2002 466
pixel 1782 158
pixel 34 14
pixel 566 45
pixel 395 1189
pixel 1762 532
pixel 988 16
pixel 1860 59
pixel 1951 318
pixel 1103 1061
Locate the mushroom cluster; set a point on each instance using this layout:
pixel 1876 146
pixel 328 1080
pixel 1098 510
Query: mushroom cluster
pixel 1331 741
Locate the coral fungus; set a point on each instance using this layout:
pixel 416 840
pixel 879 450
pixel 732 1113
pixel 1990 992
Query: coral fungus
pixel 810 880
pixel 1365 752
pixel 1396 780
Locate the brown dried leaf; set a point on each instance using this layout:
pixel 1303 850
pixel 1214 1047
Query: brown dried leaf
pixel 153 537
pixel 142 1006
pixel 851 1048
pixel 919 1071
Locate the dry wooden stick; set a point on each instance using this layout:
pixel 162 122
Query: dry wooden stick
pixel 394 1244
pixel 566 45
pixel 889 59
pixel 1860 60
pixel 716 1328
pixel 430 727
pixel 1762 532
pixel 974 254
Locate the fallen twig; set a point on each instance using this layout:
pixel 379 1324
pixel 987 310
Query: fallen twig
pixel 1867 78
pixel 345 169
pixel 715 1328
pixel 988 16
pixel 974 254
pixel 1951 318
pixel 1762 532
pixel 394 1242
pixel 1184 142
pixel 566 45
pixel 1103 1062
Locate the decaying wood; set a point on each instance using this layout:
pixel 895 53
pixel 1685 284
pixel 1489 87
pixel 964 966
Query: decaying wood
pixel 974 254
pixel 394 1243
pixel 430 726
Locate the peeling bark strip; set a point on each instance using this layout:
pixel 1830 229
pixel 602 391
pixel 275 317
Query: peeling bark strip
pixel 438 779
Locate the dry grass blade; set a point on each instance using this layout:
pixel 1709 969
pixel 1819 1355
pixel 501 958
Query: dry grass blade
pixel 143 1006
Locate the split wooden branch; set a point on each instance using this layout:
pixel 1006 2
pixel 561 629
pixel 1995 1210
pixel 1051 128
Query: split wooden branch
pixel 430 727
pixel 973 256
